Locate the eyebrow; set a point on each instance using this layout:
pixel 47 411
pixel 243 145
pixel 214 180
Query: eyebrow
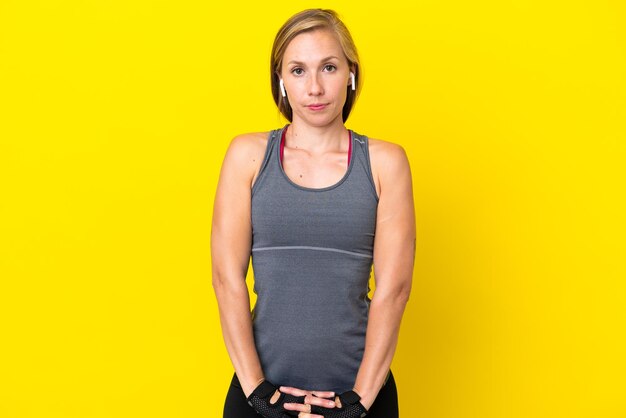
pixel 301 63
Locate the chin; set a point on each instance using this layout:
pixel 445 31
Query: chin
pixel 319 120
pixel 318 123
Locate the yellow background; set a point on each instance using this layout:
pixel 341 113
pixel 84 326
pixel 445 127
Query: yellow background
pixel 114 118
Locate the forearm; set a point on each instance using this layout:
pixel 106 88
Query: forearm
pixel 236 321
pixel 383 327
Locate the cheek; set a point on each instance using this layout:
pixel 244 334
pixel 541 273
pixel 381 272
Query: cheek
pixel 339 86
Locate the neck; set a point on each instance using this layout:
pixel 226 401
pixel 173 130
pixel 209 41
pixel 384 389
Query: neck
pixel 317 139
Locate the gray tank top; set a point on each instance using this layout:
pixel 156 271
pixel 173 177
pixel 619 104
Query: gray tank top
pixel 312 254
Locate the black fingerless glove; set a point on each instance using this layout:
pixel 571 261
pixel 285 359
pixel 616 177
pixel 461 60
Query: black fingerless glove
pixel 260 397
pixel 350 407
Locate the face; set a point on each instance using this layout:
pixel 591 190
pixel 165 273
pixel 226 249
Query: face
pixel 316 75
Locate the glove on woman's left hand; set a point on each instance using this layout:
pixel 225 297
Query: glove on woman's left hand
pixel 350 407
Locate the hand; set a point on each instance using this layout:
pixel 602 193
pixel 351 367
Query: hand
pixel 348 406
pixel 311 399
pixel 268 402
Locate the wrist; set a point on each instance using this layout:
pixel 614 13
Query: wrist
pixel 249 385
pixel 367 396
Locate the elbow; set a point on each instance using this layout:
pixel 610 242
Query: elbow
pixel 402 291
pixel 219 286
pixel 223 282
pixel 217 282
pixel 218 279
pixel 397 296
pixel 403 294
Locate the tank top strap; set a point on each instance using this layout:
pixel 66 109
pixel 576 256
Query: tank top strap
pixel 361 154
pixel 271 150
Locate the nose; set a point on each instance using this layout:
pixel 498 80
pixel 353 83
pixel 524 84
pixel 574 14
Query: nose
pixel 315 85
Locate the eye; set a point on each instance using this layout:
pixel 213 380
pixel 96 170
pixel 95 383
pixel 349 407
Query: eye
pixel 297 71
pixel 330 67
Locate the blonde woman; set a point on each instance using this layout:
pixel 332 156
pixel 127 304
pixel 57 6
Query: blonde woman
pixel 315 205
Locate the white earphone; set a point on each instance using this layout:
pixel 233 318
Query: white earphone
pixel 352 79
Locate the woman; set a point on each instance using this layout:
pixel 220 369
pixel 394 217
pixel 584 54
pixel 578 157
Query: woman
pixel 314 204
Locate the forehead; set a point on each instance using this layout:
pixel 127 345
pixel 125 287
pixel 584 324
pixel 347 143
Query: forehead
pixel 313 46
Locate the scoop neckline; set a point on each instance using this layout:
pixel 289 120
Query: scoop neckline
pixel 315 189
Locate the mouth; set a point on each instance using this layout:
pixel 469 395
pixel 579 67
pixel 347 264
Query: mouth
pixel 317 106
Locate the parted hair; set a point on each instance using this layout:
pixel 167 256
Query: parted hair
pixel 305 21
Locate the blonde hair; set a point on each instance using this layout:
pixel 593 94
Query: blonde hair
pixel 305 21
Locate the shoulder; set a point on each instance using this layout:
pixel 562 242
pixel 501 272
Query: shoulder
pixel 248 144
pixel 386 152
pixel 389 161
pixel 246 148
pixel 245 154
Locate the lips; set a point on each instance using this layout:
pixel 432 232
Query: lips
pixel 317 106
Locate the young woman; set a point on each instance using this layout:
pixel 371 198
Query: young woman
pixel 315 205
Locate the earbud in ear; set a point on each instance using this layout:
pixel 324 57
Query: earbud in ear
pixel 352 79
pixel 282 88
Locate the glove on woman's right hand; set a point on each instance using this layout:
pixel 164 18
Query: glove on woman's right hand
pixel 260 397
pixel 350 407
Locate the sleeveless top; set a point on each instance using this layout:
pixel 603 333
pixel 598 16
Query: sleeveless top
pixel 312 254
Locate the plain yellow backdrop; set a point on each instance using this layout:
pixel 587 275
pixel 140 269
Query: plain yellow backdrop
pixel 114 118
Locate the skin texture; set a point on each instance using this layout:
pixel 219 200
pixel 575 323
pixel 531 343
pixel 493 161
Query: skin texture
pixel 315 155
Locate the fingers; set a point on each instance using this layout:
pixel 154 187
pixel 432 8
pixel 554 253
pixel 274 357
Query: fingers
pixel 305 410
pixel 326 403
pixel 275 397
pixel 299 392
pixel 297 407
pixel 323 394
pixel 311 399
pixel 318 398
pixel 305 415
pixel 306 406
pixel 293 391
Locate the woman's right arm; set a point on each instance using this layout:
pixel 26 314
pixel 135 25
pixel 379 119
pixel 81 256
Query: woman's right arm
pixel 231 241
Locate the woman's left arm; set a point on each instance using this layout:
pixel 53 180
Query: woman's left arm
pixel 394 254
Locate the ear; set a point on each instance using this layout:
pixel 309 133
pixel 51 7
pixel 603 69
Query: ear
pixel 353 70
pixel 352 80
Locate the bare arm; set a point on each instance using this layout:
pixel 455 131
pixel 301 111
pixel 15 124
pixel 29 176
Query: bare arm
pixel 231 240
pixel 394 253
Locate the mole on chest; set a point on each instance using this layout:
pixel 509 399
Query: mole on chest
pixel 314 174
